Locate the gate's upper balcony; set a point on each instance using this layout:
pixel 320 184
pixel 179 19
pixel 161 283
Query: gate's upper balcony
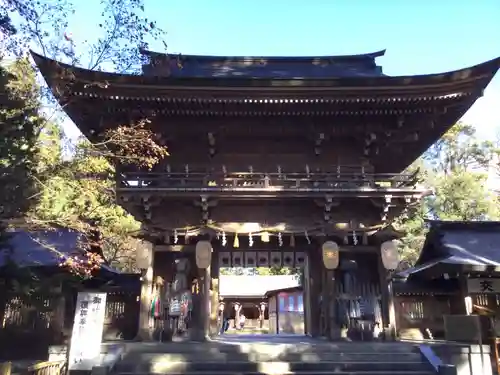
pixel 345 182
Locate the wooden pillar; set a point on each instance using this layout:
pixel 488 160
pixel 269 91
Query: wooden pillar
pixel 214 295
pixel 201 323
pixel 307 298
pixel 144 331
pixel 325 302
pixel 313 280
pixel 237 310
pixel 59 315
pixel 3 306
pixel 387 302
pixel 392 311
pixel 5 368
pixel 206 303
pixel 333 329
pixel 214 306
pixel 461 307
pixel 262 314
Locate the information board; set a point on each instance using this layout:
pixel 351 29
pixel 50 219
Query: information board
pixel 85 347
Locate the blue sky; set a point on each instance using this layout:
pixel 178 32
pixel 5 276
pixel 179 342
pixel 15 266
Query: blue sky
pixel 421 36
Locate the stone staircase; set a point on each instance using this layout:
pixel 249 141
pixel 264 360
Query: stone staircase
pixel 252 358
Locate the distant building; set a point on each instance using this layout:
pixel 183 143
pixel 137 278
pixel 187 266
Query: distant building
pixel 250 296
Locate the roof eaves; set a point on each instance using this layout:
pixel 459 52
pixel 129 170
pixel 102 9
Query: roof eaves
pixel 483 71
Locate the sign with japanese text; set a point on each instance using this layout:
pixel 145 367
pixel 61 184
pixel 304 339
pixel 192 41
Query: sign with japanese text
pixel 85 347
pixel 483 286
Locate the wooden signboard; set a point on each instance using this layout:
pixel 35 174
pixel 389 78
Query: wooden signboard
pixel 483 286
pixel 85 347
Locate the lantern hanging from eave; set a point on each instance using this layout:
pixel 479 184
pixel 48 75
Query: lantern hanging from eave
pixel 264 237
pixel 390 255
pixel 330 251
pixel 203 254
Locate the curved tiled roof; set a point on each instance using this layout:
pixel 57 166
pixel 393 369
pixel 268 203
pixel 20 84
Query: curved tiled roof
pixel 474 244
pixel 478 76
pixel 41 248
pixel 97 100
pixel 362 65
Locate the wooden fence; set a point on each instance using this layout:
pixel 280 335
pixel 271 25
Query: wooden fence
pixel 47 320
pixel 424 312
pixel 41 368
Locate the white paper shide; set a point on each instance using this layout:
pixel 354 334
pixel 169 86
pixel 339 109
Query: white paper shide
pixel 87 331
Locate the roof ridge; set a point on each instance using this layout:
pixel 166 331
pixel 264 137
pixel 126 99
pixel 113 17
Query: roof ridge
pixel 361 56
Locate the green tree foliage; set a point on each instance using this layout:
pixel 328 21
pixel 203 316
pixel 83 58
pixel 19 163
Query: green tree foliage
pixel 277 271
pixel 459 149
pixel 261 271
pixel 45 26
pixel 47 191
pixel 456 170
pixel 464 196
pixel 20 125
pixel 76 193
pixel 235 271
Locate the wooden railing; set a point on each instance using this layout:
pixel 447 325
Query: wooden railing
pixel 42 368
pixel 264 181
pixel 47 368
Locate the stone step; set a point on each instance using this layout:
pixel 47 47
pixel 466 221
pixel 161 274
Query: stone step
pixel 221 347
pixel 166 367
pixel 223 372
pixel 311 356
pixel 252 357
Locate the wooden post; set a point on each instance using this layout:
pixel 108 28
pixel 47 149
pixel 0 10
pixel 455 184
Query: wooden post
pixel 392 310
pixel 307 298
pixel 314 280
pixel 330 291
pixel 5 368
pixel 201 325
pixel 60 313
pixel 144 332
pixel 237 310
pixel 325 302
pixel 206 303
pixel 214 307
pixel 386 300
pixel 3 306
pixel 214 296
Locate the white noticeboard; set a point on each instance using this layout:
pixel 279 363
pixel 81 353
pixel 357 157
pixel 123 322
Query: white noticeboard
pixel 85 347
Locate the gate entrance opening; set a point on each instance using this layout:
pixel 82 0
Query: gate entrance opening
pixel 253 303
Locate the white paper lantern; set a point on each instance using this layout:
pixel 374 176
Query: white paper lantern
pixel 390 255
pixel 203 254
pixel 144 253
pixel 330 251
